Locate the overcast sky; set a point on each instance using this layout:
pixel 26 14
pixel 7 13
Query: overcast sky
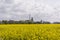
pixel 47 10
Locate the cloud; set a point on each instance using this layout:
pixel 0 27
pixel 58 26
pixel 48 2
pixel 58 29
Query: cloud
pixel 47 10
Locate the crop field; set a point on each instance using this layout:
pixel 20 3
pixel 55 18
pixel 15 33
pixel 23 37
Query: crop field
pixel 30 32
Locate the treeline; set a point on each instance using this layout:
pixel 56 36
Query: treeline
pixel 23 22
pixel 26 22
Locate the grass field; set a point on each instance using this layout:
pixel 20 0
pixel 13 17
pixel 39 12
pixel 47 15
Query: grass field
pixel 30 32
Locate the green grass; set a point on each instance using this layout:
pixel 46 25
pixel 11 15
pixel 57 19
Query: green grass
pixel 30 32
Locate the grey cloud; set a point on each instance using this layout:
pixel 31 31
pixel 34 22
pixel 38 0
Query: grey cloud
pixel 47 10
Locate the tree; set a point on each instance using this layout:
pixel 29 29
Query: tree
pixel 4 21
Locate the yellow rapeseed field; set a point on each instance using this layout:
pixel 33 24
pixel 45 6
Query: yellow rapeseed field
pixel 30 32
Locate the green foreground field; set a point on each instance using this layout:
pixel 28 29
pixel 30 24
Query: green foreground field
pixel 30 32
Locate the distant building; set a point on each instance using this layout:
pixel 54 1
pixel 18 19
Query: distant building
pixel 31 19
pixel 56 22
